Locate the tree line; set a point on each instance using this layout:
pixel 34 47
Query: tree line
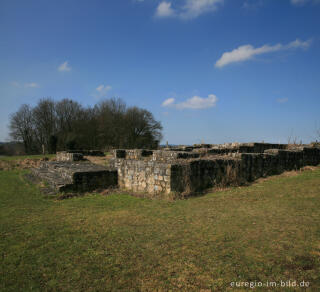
pixel 67 125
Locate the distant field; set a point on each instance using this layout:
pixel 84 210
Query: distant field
pixel 269 231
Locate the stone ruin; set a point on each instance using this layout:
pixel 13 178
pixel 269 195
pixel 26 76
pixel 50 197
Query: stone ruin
pixel 177 171
pixel 72 173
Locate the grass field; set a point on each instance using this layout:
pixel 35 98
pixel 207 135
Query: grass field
pixel 269 231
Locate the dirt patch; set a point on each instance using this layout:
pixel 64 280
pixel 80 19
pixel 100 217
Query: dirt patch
pixel 22 164
pixel 309 168
pixel 104 160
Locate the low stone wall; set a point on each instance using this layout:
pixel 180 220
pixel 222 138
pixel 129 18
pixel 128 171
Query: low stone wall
pixel 239 148
pixel 77 155
pixel 143 176
pixel 180 172
pixel 132 153
pixel 167 156
pixel 201 174
pixel 156 173
pixel 184 176
pixel 276 161
pixel 88 152
pixel 76 176
pixel 67 156
pixel 154 155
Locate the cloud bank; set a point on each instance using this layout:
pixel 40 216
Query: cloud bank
pixel 247 52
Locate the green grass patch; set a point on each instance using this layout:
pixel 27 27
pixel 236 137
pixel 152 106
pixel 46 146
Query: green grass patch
pixel 269 231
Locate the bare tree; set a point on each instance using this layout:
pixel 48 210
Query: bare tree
pixel 44 121
pixel 68 113
pixel 142 130
pixel 67 125
pixel 292 139
pixel 22 128
pixel 110 120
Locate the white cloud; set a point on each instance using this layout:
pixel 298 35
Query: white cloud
pixel 298 44
pixel 31 85
pixel 102 91
pixel 195 102
pixel 282 100
pixel 168 102
pixel 194 8
pixel 64 67
pixel 190 9
pixel 247 52
pixel 164 9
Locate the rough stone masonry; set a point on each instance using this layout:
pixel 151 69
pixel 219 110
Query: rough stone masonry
pixel 72 173
pixel 187 170
pixel 176 172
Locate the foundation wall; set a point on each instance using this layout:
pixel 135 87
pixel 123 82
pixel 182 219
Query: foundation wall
pixel 182 172
pixel 144 176
pixel 66 156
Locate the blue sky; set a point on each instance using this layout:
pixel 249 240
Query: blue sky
pixel 210 70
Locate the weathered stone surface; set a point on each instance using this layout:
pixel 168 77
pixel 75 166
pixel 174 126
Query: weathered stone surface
pixel 143 176
pixel 184 172
pixel 77 155
pixel 67 156
pixel 166 156
pixel 88 152
pixel 132 153
pixel 76 176
pixel 196 168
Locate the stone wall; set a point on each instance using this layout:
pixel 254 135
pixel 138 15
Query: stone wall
pixel 77 155
pixel 143 176
pixel 67 156
pixel 155 155
pixel 238 148
pixel 132 153
pixel 156 173
pixel 187 173
pixel 200 174
pixel 64 176
pixel 88 152
pixel 166 156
